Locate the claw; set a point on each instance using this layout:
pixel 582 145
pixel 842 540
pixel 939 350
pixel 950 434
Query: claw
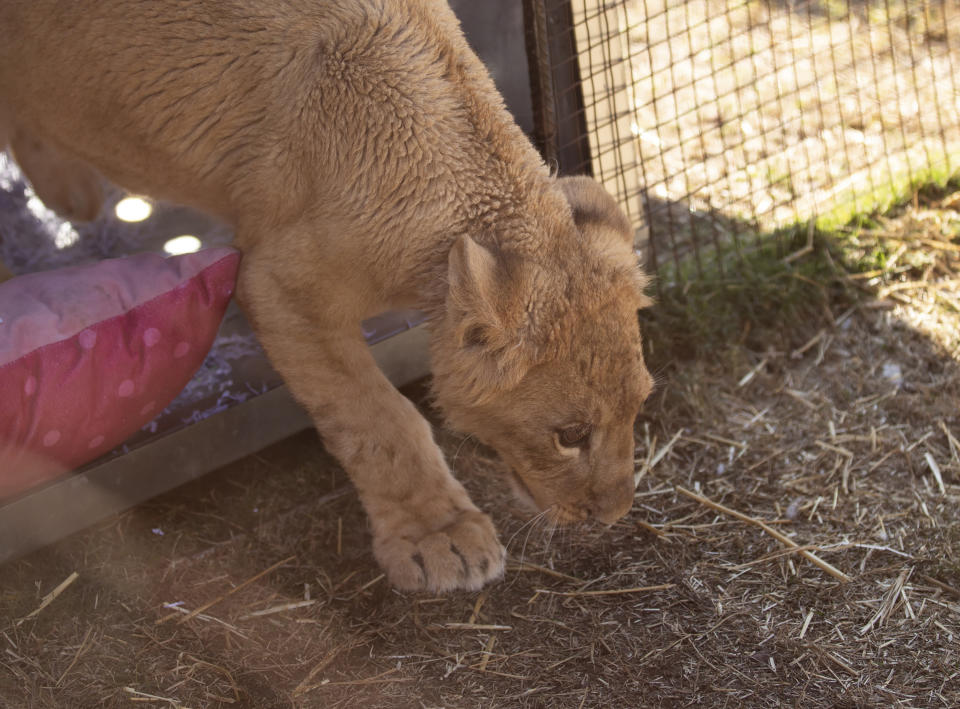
pixel 418 560
pixel 465 569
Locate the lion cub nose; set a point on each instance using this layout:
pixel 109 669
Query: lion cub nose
pixel 614 501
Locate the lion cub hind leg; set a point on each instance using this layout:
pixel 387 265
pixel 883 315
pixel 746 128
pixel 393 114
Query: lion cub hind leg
pixel 427 533
pixel 68 186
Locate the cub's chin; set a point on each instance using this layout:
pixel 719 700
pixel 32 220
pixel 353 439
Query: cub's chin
pixel 556 513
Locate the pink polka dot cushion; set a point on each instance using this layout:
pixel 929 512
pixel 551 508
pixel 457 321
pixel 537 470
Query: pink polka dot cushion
pixel 90 354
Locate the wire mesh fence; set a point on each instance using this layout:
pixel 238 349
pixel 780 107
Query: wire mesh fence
pixel 721 126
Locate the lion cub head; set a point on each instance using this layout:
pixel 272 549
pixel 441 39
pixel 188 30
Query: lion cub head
pixel 539 356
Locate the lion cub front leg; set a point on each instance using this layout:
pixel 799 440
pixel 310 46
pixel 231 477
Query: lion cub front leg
pixel 427 533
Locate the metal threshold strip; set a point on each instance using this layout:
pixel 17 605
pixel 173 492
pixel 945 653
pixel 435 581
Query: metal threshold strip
pixel 162 462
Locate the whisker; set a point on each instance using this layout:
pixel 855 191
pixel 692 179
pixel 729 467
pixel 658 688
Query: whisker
pixel 551 530
pixel 456 454
pixel 549 525
pixel 529 526
pixel 532 521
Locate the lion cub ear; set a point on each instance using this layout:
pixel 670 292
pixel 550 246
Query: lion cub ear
pixel 594 207
pixel 473 270
pixel 487 315
pixel 474 276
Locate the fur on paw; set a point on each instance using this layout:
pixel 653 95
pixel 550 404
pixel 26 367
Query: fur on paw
pixel 463 554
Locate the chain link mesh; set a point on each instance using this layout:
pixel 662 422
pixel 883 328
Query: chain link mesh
pixel 723 125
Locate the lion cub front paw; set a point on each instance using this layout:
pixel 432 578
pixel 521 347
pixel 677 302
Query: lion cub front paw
pixel 463 553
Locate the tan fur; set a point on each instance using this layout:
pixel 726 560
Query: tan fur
pixel 366 161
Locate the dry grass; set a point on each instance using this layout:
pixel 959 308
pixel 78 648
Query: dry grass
pixel 839 443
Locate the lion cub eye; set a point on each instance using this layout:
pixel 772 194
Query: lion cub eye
pixel 574 436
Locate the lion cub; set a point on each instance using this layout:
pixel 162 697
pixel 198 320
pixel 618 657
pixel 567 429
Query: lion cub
pixel 366 162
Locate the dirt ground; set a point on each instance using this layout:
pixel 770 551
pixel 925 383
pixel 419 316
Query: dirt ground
pixel 256 587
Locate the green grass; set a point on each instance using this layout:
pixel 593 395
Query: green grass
pixel 899 187
pixel 778 293
pixel 737 296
